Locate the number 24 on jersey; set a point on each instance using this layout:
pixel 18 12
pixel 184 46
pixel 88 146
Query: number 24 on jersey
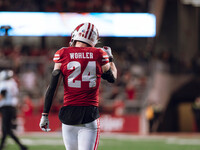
pixel 88 75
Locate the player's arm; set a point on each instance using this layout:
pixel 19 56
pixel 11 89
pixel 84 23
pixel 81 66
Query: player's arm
pixel 51 90
pixel 109 69
pixel 49 95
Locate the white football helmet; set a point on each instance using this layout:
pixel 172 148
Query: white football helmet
pixel 6 74
pixel 85 32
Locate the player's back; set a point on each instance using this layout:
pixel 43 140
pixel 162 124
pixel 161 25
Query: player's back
pixel 81 69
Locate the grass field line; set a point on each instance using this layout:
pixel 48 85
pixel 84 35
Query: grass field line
pixel 29 141
pixel 181 141
pixel 54 142
pixel 56 139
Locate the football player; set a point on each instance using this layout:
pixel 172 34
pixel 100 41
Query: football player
pixel 82 66
pixel 8 107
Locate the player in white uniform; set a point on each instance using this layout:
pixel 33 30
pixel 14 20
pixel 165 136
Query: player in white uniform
pixel 82 66
pixel 8 102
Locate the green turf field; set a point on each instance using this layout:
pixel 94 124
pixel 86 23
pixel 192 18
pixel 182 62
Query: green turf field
pixel 115 142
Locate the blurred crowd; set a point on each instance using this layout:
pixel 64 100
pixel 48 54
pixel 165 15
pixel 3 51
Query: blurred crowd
pixel 33 66
pixel 135 63
pixel 75 5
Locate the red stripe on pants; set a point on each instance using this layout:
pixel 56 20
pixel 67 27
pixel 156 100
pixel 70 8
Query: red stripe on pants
pixel 98 134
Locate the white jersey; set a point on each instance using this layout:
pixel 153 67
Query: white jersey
pixel 11 98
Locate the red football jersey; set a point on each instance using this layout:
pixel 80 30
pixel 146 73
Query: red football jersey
pixel 81 69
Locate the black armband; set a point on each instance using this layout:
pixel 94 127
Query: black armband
pixel 51 90
pixel 110 59
pixel 108 76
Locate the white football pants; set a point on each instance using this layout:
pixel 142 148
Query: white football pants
pixel 81 137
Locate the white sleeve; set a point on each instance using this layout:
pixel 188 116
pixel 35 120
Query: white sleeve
pixel 14 88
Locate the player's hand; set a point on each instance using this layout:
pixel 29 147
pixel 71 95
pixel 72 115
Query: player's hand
pixel 44 123
pixel 108 51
